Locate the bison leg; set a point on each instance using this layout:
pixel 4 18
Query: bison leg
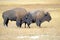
pixel 38 23
pixel 29 25
pixel 6 21
pixel 25 24
pixel 18 23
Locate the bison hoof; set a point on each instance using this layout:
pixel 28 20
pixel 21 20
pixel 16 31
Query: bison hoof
pixel 5 25
pixel 39 26
pixel 29 27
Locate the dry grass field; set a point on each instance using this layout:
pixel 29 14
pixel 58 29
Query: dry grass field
pixel 48 31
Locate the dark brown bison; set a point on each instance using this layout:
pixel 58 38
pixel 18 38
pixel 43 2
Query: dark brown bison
pixel 15 14
pixel 37 16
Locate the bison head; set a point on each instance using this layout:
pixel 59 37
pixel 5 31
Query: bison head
pixel 47 17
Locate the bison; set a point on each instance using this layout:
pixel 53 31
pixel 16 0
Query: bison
pixel 15 14
pixel 37 16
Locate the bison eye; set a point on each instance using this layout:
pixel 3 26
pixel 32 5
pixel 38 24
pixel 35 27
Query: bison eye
pixel 45 15
pixel 40 21
pixel 26 18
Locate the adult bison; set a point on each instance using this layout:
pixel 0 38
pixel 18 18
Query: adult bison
pixel 37 16
pixel 15 14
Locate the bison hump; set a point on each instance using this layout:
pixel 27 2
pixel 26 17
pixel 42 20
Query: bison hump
pixel 20 12
pixel 40 14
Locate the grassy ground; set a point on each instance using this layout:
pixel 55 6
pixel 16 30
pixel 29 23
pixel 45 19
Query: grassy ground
pixel 48 31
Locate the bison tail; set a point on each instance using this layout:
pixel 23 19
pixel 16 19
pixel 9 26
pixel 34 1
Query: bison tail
pixel 3 15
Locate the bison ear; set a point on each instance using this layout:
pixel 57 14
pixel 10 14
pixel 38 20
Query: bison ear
pixel 46 13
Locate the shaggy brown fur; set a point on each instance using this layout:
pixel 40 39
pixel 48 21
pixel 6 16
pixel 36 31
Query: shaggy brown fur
pixel 15 14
